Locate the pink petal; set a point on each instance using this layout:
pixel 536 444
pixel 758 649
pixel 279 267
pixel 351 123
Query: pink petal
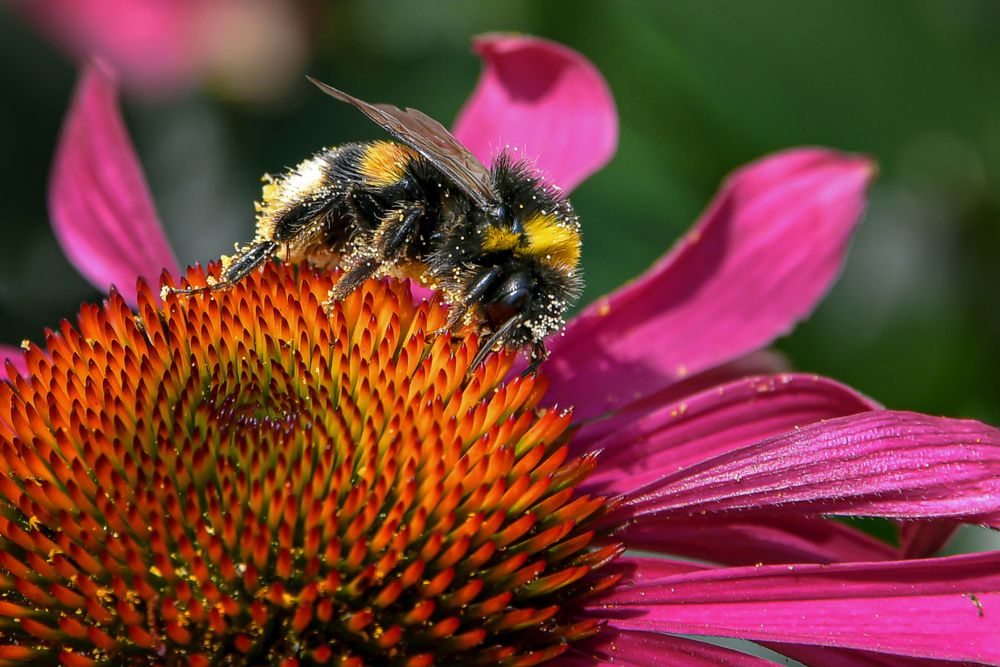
pixel 15 357
pixel 717 420
pixel 421 293
pixel 937 608
pixel 545 101
pixel 152 43
pixel 758 362
pixel 758 261
pixel 102 213
pixel 627 648
pixel 893 464
pixel 745 540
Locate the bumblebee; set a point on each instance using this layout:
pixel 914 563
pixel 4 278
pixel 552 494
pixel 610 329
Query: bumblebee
pixel 500 245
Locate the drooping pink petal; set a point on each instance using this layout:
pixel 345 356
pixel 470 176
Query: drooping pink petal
pixel 728 417
pixel 758 261
pixel 544 100
pixel 152 44
pixel 627 648
pixel 941 608
pixel 102 213
pixel 14 356
pixel 919 539
pixel 882 463
pixel 823 656
pixel 746 540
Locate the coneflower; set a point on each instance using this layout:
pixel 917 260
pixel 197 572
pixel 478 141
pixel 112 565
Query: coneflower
pixel 245 477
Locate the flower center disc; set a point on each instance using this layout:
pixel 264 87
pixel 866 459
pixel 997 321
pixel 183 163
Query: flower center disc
pixel 245 478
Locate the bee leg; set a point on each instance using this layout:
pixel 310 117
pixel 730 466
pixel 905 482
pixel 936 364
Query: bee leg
pixel 538 355
pixel 247 261
pixel 397 226
pixel 490 342
pixel 352 280
pixel 473 296
pixel 241 266
pixel 299 220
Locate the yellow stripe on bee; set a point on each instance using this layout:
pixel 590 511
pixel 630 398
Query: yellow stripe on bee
pixel 384 162
pixel 497 238
pixel 551 241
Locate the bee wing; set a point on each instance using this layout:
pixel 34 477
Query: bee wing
pixel 429 138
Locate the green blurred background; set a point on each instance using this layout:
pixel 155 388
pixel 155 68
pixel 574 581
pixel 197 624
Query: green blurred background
pixel 701 87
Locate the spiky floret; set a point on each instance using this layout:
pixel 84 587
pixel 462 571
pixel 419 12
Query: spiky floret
pixel 243 478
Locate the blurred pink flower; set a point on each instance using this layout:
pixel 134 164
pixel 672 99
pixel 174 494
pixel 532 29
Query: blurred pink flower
pixel 249 48
pixel 707 455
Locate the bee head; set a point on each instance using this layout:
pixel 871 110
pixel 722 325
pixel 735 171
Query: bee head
pixel 526 301
pixel 528 251
pixel 512 268
pixel 512 298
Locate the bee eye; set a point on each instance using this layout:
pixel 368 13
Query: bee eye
pixel 508 305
